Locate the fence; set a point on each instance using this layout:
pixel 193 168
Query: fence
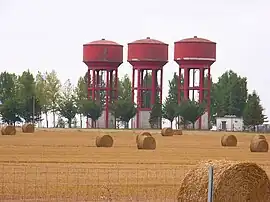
pixel 26 182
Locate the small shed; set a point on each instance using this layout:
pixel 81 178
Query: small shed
pixel 230 123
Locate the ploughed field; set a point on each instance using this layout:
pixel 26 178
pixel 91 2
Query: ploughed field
pixel 66 165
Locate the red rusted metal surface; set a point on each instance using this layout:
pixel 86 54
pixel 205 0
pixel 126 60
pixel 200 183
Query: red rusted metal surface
pixel 147 52
pixel 190 54
pixel 102 54
pixel 194 48
pixel 103 57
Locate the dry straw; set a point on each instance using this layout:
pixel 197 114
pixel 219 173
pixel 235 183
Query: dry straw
pixel 104 141
pixel 167 132
pixel 259 145
pixel 261 137
pixel 229 141
pixel 233 182
pixel 8 130
pixel 146 142
pixel 177 132
pixel 141 135
pixel 28 128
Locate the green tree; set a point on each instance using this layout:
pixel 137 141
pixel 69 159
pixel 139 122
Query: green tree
pixel 169 110
pixel 53 86
pixel 229 95
pixel 85 77
pixel 41 95
pixel 10 104
pixel 156 116
pixel 99 94
pixel 30 107
pixel 10 111
pixel 173 88
pixel 115 112
pixel 190 111
pixel 60 123
pixel 26 85
pixel 67 103
pixel 124 110
pixel 173 92
pixel 7 86
pixel 30 110
pixel 92 109
pixel 212 98
pixel 124 88
pixel 146 94
pixel 124 98
pixel 253 112
pixel 81 94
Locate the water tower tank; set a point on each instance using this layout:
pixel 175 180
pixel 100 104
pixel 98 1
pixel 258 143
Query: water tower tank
pixel 103 57
pixel 147 56
pixel 195 55
pixel 102 52
pixel 194 49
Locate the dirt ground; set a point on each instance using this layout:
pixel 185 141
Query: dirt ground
pixel 65 165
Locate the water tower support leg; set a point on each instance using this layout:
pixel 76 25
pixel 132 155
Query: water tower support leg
pixel 154 87
pixel 107 100
pixel 161 85
pixel 186 83
pixel 138 96
pixel 208 95
pixel 133 84
pixel 116 83
pixel 93 92
pixel 179 86
pixel 201 92
pixel 161 91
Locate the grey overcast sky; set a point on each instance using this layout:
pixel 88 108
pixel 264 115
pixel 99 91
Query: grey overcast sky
pixel 45 34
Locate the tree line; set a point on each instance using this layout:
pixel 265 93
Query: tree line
pixel 26 97
pixel 229 96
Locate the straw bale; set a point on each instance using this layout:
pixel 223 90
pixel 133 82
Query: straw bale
pixel 259 145
pixel 8 130
pixel 177 132
pixel 28 128
pixel 146 142
pixel 261 137
pixel 229 141
pixel 142 134
pixel 233 182
pixel 104 141
pixel 167 132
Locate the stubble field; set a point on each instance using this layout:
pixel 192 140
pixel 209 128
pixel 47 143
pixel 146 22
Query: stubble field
pixel 65 165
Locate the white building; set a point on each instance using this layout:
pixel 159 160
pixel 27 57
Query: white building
pixel 229 123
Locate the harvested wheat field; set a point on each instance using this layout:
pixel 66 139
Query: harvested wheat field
pixel 66 165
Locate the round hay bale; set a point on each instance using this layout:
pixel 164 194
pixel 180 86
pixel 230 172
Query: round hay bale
pixel 233 181
pixel 167 132
pixel 259 145
pixel 260 137
pixel 28 128
pixel 104 141
pixel 147 143
pixel 177 132
pixel 229 141
pixel 141 135
pixel 8 130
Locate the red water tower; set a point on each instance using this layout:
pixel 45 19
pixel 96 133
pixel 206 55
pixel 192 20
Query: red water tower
pixel 147 56
pixel 103 58
pixel 198 55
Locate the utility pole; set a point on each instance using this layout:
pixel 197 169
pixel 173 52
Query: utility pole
pixel 33 104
